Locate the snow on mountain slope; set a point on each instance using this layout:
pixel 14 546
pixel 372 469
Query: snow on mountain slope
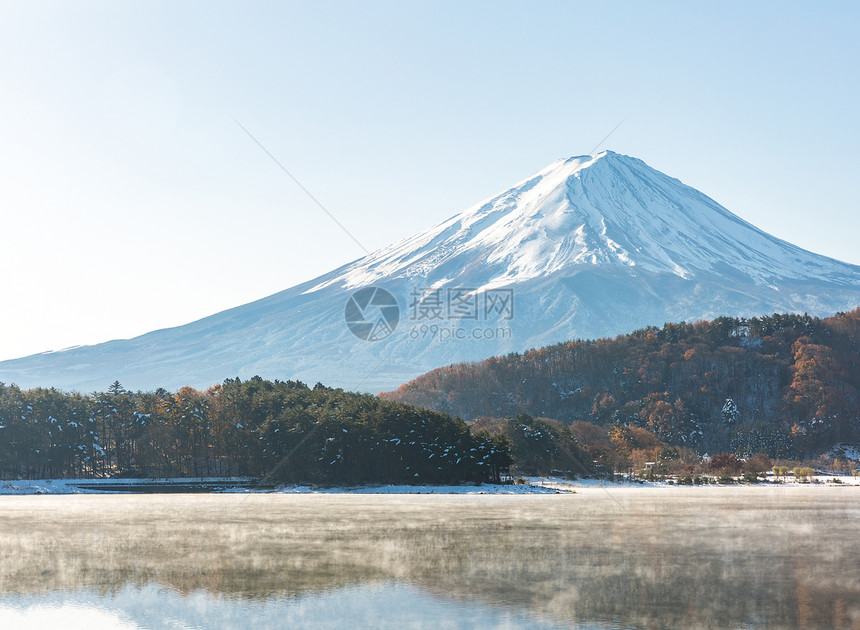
pixel 587 247
pixel 603 210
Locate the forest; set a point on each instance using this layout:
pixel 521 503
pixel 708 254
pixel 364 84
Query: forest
pixel 747 391
pixel 783 385
pixel 282 431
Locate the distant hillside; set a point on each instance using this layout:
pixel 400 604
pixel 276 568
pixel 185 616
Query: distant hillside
pixel 776 384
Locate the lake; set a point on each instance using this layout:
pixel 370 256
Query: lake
pixel 741 557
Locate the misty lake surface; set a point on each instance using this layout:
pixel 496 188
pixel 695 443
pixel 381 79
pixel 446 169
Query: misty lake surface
pixel 601 558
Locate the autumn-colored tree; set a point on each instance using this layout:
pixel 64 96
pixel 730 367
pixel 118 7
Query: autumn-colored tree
pixel 819 404
pixel 589 434
pixel 803 473
pixel 725 464
pixel 757 464
pixel 780 471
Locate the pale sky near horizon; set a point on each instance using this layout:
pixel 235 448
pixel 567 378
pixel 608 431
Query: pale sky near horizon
pixel 131 200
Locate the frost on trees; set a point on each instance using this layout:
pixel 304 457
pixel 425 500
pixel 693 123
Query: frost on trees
pixel 730 412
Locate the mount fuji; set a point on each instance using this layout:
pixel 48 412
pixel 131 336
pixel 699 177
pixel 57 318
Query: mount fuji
pixel 590 246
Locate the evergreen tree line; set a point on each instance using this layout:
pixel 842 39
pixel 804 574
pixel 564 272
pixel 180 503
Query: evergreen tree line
pixel 285 431
pixel 784 385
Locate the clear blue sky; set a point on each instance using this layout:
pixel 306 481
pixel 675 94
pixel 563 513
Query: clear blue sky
pixel 131 199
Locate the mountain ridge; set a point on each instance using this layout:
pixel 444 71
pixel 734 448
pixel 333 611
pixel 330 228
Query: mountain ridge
pixel 792 380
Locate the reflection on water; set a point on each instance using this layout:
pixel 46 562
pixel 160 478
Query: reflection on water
pixel 385 605
pixel 709 558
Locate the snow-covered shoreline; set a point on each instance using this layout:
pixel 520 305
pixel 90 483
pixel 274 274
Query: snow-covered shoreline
pixel 817 481
pixel 246 485
pixel 534 485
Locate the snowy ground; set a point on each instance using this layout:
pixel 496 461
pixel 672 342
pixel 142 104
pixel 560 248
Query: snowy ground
pixel 464 489
pixel 92 486
pixel 845 450
pixel 535 485
pixel 819 481
pixel 112 486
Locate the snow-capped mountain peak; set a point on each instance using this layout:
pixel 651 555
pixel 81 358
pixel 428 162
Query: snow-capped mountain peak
pixel 606 209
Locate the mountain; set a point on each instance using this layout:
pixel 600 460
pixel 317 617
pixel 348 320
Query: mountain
pixel 588 247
